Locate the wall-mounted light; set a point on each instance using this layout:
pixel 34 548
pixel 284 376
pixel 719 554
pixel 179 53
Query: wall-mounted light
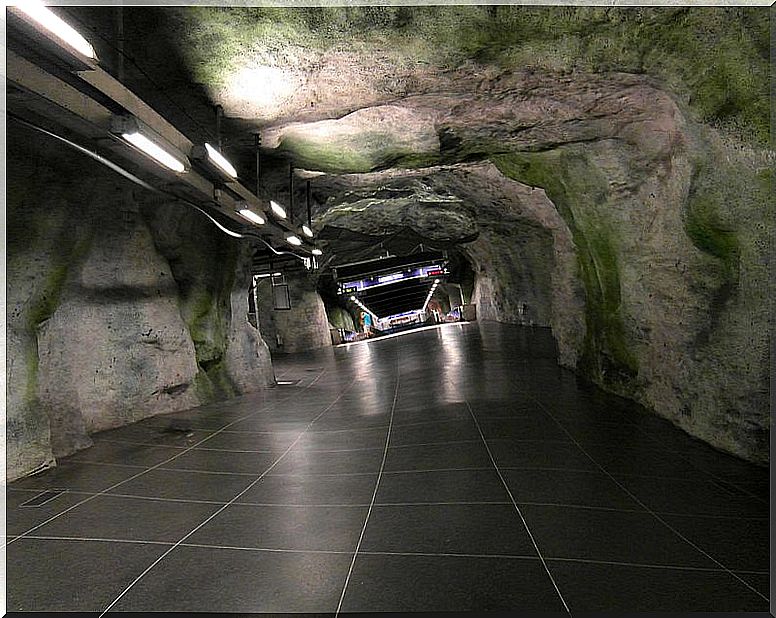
pixel 317 252
pixel 251 216
pixel 220 161
pixel 148 142
pixel 294 240
pixel 56 26
pixel 277 209
pixel 307 231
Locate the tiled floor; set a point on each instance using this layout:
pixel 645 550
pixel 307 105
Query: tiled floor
pixel 456 468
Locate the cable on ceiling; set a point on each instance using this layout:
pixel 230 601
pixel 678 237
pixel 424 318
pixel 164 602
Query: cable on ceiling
pixel 138 181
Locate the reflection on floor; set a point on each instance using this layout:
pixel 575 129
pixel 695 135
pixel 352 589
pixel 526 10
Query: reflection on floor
pixel 506 484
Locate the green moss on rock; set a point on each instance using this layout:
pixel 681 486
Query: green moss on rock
pixel 716 58
pixel 705 223
pixel 572 182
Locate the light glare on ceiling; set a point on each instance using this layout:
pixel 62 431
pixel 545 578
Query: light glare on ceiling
pixel 317 252
pixel 56 26
pixel 307 231
pixel 294 240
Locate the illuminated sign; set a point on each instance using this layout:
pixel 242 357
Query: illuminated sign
pixel 434 270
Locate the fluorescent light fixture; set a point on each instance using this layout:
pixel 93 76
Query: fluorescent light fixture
pixel 218 159
pixel 307 231
pixel 63 31
pixel 154 151
pixel 317 252
pixel 277 209
pixel 294 240
pixel 436 281
pixel 353 298
pixel 251 216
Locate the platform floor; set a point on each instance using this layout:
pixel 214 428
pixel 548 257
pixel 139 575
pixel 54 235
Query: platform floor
pixel 456 468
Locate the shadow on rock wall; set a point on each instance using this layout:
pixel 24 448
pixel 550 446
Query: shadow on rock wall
pixel 116 311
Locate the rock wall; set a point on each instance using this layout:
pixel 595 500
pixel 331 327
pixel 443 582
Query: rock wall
pixel 303 327
pixel 673 257
pixel 648 256
pixel 119 307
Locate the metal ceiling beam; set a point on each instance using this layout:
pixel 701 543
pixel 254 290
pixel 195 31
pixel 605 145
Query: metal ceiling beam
pixel 65 104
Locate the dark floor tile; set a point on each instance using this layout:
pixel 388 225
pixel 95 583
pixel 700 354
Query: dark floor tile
pixel 157 436
pixel 438 456
pixel 127 454
pixel 80 476
pixel 759 490
pixel 715 462
pixel 624 436
pixel 186 485
pixel 223 461
pixel 539 454
pixel 434 432
pixel 739 544
pixel 299 461
pixel 603 588
pixel 441 486
pixel 193 579
pixel 352 421
pixel 284 527
pixel 313 489
pixel 431 411
pixel 188 420
pixel 46 575
pixel 447 583
pixel 567 487
pixel 251 441
pixel 761 582
pixel 110 517
pixel 522 429
pixel 643 460
pixel 282 426
pixel 691 497
pixel 19 519
pixel 518 408
pixel 453 528
pixel 334 440
pixel 608 535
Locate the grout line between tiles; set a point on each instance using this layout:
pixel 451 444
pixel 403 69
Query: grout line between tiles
pixel 519 512
pixel 232 501
pixel 374 493
pixel 650 511
pixel 104 491
pixel 667 567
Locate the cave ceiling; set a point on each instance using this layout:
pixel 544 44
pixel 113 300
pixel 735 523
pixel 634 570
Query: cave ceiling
pixel 407 110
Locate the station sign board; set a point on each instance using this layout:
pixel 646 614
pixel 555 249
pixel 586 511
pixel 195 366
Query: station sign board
pixel 351 287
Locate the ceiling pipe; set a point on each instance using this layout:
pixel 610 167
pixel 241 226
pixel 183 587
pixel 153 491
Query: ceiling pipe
pixel 291 193
pixel 309 208
pixel 219 114
pixel 120 43
pixel 256 146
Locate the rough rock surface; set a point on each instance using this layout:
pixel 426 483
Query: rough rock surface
pixel 303 327
pixel 117 305
pixel 511 233
pixel 644 133
pixel 665 252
